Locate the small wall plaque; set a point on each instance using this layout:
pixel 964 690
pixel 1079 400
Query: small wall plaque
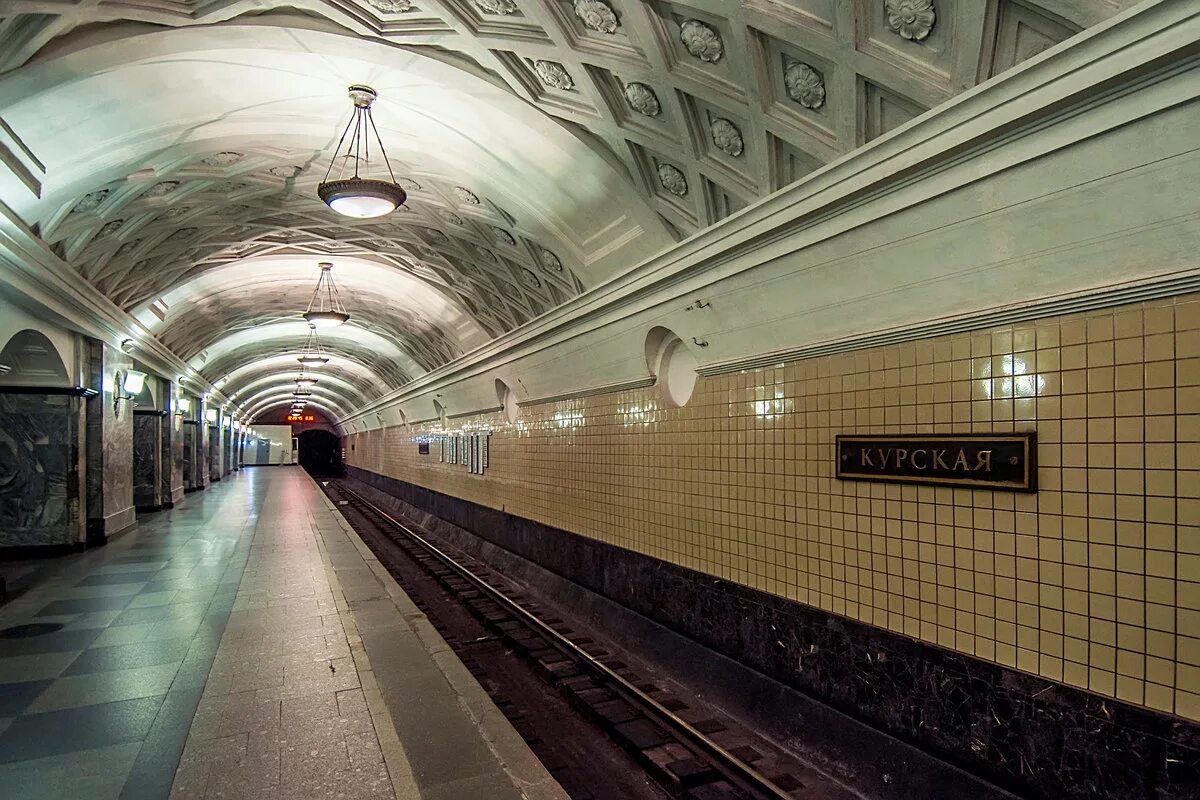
pixel 1005 461
pixel 423 448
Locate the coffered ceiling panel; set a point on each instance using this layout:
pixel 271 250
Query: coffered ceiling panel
pixel 546 146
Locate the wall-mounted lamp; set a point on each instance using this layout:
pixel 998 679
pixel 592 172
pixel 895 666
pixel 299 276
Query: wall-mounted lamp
pixel 210 415
pixel 127 345
pixel 129 384
pixel 182 406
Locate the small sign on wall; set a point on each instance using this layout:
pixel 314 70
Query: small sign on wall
pixel 423 448
pixel 1005 461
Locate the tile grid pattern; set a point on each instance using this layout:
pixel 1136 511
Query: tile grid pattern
pixel 1093 581
pixel 101 707
pixel 284 713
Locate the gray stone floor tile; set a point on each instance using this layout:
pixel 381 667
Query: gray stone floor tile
pixel 93 774
pixel 59 642
pixel 129 656
pixel 16 697
pixel 82 605
pixel 493 786
pixel 104 688
pixel 39 735
pixel 35 666
pixel 116 578
pixel 153 772
pixel 122 634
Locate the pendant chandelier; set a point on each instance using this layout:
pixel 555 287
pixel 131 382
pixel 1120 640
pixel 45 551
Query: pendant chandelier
pixel 311 354
pixel 359 195
pixel 325 309
pixel 304 381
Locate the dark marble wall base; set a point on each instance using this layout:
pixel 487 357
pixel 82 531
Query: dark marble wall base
pixel 101 530
pixel 1037 738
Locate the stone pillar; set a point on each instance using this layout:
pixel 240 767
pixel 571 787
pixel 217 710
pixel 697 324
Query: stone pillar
pixel 172 448
pixel 214 450
pixel 148 459
pixel 109 446
pixel 226 431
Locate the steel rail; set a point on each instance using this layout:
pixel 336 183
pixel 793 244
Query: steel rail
pixel 729 765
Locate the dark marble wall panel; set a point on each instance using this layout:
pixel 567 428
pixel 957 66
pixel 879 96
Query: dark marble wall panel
pixel 189 461
pixel 214 454
pixel 39 486
pixel 110 507
pixel 147 461
pixel 1038 738
pixel 172 458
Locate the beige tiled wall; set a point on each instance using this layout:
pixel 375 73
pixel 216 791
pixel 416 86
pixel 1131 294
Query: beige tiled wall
pixel 1094 580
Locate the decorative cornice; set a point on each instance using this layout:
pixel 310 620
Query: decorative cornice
pixel 71 391
pixel 1153 289
pixel 608 388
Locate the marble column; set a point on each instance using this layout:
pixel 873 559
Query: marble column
pixel 191 429
pixel 214 451
pixel 109 446
pixel 172 450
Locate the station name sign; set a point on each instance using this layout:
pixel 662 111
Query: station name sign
pixel 965 461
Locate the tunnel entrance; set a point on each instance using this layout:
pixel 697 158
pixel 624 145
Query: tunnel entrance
pixel 321 454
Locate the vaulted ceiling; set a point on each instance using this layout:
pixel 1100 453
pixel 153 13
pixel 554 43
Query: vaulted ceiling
pixel 547 146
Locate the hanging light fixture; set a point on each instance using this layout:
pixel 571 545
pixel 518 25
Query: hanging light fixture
pixel 303 380
pixel 359 195
pixel 312 355
pixel 325 310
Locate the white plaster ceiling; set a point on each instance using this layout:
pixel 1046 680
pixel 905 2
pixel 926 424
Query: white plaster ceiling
pixel 548 145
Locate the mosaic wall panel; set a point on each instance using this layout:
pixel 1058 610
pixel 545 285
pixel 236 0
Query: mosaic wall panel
pixel 1094 581
pixel 39 498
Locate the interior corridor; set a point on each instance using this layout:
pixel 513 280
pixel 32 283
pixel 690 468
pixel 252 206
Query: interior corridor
pixel 227 649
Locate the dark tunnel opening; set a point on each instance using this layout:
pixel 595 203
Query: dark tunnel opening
pixel 321 454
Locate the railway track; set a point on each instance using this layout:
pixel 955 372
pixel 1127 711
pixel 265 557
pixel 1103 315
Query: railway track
pixel 687 752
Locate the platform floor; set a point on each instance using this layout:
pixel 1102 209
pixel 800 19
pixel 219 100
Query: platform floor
pixel 245 644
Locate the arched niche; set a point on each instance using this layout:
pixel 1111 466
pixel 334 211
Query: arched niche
pixel 507 399
pixel 32 360
pixel 672 364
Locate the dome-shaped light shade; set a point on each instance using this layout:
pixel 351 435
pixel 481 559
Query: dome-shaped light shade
pixel 313 361
pixel 134 382
pixel 327 319
pixel 305 381
pixel 361 197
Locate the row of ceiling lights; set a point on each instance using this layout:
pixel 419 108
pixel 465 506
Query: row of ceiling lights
pixel 353 195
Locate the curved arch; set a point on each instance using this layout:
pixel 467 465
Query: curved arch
pixel 286 392
pixel 329 414
pixel 353 337
pixel 380 374
pixel 253 291
pixel 349 371
pixel 289 89
pixel 32 360
pixel 349 391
